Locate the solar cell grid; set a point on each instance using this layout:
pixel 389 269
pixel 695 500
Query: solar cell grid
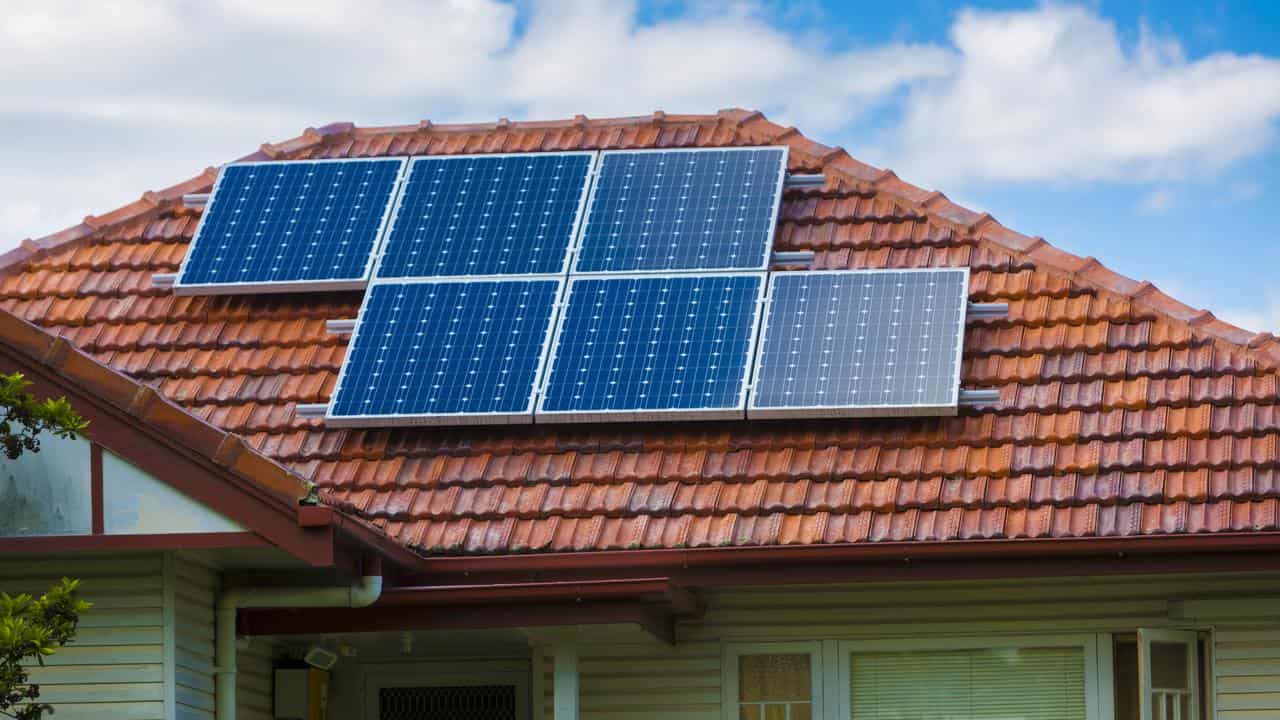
pixel 631 348
pixel 275 227
pixel 861 342
pixel 683 210
pixel 486 215
pixel 446 352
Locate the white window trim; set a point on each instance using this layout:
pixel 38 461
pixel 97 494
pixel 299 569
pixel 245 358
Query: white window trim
pixel 729 672
pixel 1096 707
pixel 447 673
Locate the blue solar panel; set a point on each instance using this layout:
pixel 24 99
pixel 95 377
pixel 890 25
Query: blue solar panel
pixel 850 343
pixel 487 215
pixel 683 210
pixel 634 348
pixel 446 353
pixel 287 226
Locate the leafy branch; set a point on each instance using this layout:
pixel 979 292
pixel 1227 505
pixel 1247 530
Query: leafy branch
pixel 23 417
pixel 33 628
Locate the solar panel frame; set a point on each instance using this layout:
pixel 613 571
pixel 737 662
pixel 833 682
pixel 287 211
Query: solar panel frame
pixel 288 286
pixel 523 417
pixel 585 221
pixel 575 230
pixel 737 412
pixel 757 412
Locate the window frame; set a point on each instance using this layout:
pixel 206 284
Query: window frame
pixel 1097 703
pixel 1191 639
pixel 729 672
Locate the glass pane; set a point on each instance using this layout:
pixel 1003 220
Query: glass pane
pixel 749 712
pixel 775 712
pixel 1169 666
pixel 1126 680
pixel 801 711
pixel 978 684
pixel 774 677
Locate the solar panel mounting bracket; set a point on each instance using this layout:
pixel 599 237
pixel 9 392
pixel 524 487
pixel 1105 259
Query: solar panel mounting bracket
pixel 310 410
pixel 984 396
pixel 195 201
pixel 804 180
pixel 986 311
pixel 792 258
pixel 343 326
pixel 163 280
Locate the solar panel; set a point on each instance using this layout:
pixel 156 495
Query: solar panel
pixel 683 210
pixel 858 343
pixel 446 352
pixel 487 215
pixel 653 347
pixel 289 226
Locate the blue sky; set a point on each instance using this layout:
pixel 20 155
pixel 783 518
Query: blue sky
pixel 1143 133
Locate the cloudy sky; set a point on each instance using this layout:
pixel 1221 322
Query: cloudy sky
pixel 1144 133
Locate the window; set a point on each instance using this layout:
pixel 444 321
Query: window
pixel 1158 675
pixel 773 681
pixel 1032 678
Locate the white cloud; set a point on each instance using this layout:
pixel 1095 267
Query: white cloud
pixel 147 93
pixel 1156 202
pixel 105 100
pixel 1053 94
pixel 1265 317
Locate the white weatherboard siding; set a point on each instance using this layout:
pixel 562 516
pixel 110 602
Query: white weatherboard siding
pixel 116 666
pixel 193 590
pixel 253 681
pixel 625 680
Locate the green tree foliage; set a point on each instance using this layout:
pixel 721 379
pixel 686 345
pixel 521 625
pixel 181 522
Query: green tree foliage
pixel 23 417
pixel 32 629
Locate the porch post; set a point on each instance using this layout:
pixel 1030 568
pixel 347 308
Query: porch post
pixel 565 688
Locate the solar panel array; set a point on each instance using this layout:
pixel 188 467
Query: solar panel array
pixel 861 342
pixel 276 227
pixel 579 286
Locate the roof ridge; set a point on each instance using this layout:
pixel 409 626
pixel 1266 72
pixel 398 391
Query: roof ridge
pixel 981 227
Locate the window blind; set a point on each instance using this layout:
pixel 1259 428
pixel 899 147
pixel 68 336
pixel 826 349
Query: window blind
pixel 978 684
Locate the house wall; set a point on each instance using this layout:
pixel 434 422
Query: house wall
pixel 117 665
pixel 145 649
pixel 618 678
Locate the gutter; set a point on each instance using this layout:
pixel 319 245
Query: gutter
pixel 363 594
pixel 676 563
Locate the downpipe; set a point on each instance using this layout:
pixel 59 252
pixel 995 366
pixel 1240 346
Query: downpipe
pixel 224 653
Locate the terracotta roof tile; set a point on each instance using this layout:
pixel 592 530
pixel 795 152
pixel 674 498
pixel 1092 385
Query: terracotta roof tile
pixel 1122 411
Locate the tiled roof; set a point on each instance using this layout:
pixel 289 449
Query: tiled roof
pixel 1123 412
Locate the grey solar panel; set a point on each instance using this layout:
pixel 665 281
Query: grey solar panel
pixel 652 347
pixel 290 226
pixel 861 343
pixel 446 352
pixel 678 210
